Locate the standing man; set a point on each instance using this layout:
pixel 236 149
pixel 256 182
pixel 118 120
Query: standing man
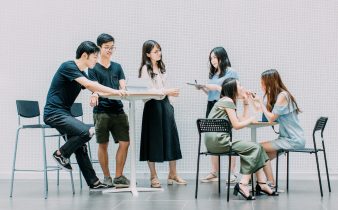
pixel 66 85
pixel 109 116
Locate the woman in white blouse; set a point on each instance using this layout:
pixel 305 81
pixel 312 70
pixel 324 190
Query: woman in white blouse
pixel 159 135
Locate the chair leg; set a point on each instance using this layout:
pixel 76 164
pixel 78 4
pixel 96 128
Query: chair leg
pixel 252 185
pixel 229 171
pixel 319 178
pixel 90 152
pixel 44 163
pixel 219 175
pixel 58 171
pixel 80 174
pixel 197 174
pixel 327 170
pixel 14 160
pixel 287 171
pixel 72 182
pixel 276 189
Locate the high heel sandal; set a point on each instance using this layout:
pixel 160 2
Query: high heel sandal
pixel 154 182
pixel 260 191
pixel 176 179
pixel 237 190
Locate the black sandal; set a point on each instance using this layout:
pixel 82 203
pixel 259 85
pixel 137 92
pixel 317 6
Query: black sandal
pixel 260 191
pixel 237 190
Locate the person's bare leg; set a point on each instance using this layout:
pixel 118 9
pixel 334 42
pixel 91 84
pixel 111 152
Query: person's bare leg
pixel 271 152
pixel 214 164
pixel 243 185
pixel 102 155
pixel 121 156
pixel 233 164
pixel 172 169
pixel 262 181
pixel 152 169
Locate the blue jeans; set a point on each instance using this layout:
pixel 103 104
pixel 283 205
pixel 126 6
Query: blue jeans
pixel 77 137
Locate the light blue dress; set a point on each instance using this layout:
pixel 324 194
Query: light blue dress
pixel 291 134
pixel 214 95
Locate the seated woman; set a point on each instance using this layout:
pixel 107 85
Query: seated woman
pixel 281 106
pixel 252 155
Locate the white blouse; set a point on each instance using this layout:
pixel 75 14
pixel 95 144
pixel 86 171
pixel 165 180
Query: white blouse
pixel 156 84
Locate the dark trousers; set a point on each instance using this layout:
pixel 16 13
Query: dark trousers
pixel 209 107
pixel 77 137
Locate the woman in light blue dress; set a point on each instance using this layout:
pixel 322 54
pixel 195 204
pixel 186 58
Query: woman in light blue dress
pixel 281 106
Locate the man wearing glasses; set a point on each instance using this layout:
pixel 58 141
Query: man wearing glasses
pixel 109 116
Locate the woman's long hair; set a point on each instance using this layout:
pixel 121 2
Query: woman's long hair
pixel 273 86
pixel 146 49
pixel 229 89
pixel 223 62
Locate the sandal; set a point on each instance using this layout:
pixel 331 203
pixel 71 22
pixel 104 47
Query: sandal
pixel 261 191
pixel 155 183
pixel 176 179
pixel 211 177
pixel 237 190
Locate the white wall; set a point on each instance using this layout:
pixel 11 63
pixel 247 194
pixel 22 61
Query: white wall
pixel 298 37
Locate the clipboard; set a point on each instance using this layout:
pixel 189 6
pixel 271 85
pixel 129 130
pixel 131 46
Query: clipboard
pixel 196 85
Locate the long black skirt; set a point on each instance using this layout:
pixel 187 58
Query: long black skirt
pixel 159 136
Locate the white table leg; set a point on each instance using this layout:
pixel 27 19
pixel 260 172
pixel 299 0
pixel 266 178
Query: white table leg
pixel 133 189
pixel 254 134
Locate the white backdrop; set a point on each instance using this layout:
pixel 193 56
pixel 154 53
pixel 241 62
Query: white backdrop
pixel 297 37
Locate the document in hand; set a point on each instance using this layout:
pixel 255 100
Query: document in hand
pixel 196 85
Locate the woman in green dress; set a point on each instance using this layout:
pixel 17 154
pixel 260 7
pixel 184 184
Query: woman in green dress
pixel 252 155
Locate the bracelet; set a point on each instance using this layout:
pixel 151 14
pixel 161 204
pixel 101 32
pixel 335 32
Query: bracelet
pixel 246 104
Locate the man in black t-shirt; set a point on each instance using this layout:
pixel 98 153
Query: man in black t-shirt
pixel 109 116
pixel 66 85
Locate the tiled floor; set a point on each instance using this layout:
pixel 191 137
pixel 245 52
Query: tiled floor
pixel 28 194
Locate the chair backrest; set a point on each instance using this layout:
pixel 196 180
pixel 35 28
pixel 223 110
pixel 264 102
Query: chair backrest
pixel 213 125
pixel 27 109
pixel 320 125
pixel 76 110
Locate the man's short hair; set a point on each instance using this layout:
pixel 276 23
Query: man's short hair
pixel 104 38
pixel 86 47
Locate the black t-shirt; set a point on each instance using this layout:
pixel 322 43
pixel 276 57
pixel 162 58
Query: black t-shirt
pixel 64 89
pixel 109 77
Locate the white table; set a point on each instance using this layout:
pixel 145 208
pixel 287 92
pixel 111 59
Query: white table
pixel 132 98
pixel 256 125
pixel 253 127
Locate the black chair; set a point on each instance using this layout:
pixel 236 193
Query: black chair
pixel 320 126
pixel 77 111
pixel 30 109
pixel 215 125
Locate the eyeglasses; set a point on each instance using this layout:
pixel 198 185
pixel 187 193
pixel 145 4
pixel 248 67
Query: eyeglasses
pixel 110 48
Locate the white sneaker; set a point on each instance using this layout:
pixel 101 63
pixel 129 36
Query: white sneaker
pixel 233 178
pixel 273 187
pixel 211 177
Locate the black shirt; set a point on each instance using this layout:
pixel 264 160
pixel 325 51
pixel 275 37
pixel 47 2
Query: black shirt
pixel 64 89
pixel 109 77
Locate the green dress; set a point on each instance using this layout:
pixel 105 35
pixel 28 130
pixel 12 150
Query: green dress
pixel 252 155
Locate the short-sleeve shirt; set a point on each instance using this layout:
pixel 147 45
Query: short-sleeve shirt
pixel 64 89
pixel 214 95
pixel 109 77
